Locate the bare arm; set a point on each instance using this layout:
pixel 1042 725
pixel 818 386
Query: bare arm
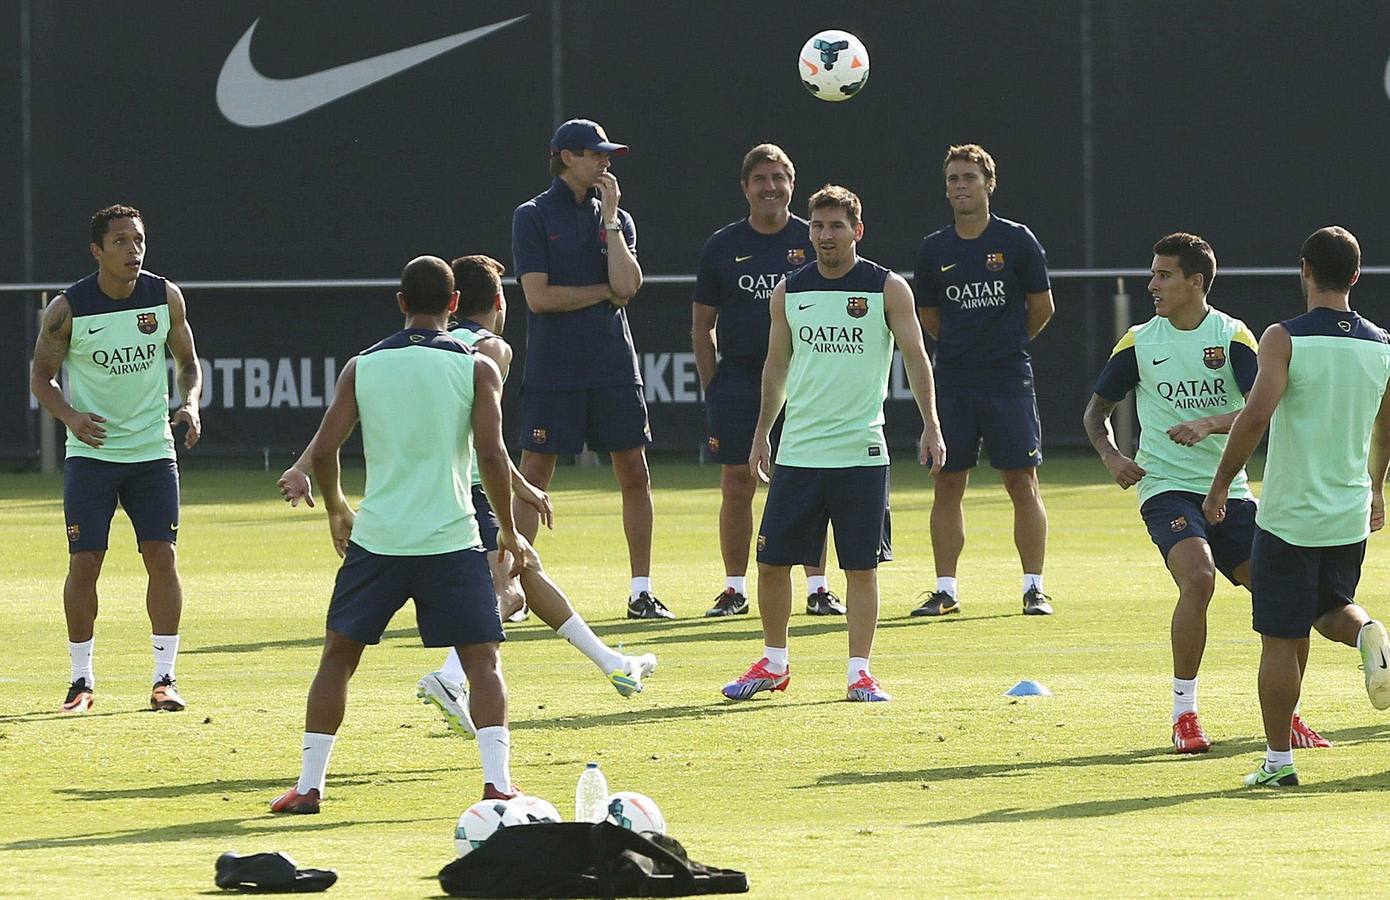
pixel 1379 462
pixel 930 317
pixel 1125 471
pixel 898 307
pixel 188 374
pixel 624 273
pixel 494 466
pixel 543 297
pixel 1194 430
pixel 51 348
pixel 702 340
pixel 774 390
pixel 500 352
pixel 1040 310
pixel 338 421
pixel 1276 348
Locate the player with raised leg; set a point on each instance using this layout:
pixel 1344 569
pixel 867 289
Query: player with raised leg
pixel 426 403
pixel 1322 394
pixel 739 266
pixel 1190 367
pixel 829 355
pixel 111 330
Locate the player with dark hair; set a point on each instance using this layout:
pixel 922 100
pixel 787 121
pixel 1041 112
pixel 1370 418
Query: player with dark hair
pixel 427 403
pixel 112 329
pixel 984 294
pixel 1323 379
pixel 1190 367
pixel 829 353
pixel 574 250
pixel 739 266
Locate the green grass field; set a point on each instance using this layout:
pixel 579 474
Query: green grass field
pixel 951 789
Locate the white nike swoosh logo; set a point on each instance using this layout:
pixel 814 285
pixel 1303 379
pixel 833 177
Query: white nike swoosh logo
pixel 742 258
pixel 250 99
pixel 950 267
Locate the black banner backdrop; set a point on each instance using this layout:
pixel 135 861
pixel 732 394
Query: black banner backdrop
pixel 1250 129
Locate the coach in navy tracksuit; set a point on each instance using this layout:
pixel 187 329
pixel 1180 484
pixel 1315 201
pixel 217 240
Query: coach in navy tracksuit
pixel 574 252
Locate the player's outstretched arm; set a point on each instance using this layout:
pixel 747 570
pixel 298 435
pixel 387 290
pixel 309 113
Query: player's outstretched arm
pixel 1124 470
pixel 51 348
pixel 774 389
pixel 188 374
pixel 338 421
pixel 1380 461
pixel 1276 348
pixel 900 310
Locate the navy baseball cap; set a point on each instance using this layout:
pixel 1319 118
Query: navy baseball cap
pixel 584 134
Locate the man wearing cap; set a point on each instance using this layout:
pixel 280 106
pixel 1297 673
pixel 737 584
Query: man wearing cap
pixel 574 252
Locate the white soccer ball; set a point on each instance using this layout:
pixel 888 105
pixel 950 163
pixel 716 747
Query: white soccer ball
pixel 481 820
pixel 534 809
pixel 834 65
pixel 636 812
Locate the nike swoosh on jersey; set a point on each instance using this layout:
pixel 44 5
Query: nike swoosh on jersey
pixel 250 99
pixel 950 267
pixel 742 258
pixel 807 306
pixel 95 330
pixel 1159 362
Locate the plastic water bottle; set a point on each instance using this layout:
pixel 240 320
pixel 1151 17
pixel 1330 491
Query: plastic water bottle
pixel 591 795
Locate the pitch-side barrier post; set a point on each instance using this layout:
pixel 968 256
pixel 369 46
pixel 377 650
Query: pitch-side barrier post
pixel 1124 413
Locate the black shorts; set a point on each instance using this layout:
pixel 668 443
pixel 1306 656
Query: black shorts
pixel 1175 516
pixel 455 603
pixel 1295 586
pixel 147 491
pixel 488 526
pixel 802 501
pixel 732 402
pixel 1009 427
pixel 606 418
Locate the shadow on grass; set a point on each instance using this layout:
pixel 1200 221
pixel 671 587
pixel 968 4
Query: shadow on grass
pixel 712 710
pixel 241 785
pixel 1122 805
pixel 52 715
pixel 216 828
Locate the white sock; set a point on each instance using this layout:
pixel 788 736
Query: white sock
pixel 577 632
pixel 166 649
pixel 947 585
pixel 1184 696
pixel 739 584
pixel 81 655
pixel 639 587
pixel 776 659
pixel 495 748
pixel 857 664
pixel 1277 759
pixel 453 668
pixel 1032 581
pixel 816 583
pixel 314 768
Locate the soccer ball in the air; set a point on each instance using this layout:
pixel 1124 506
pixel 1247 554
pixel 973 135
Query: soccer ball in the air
pixel 481 820
pixel 834 65
pixel 636 812
pixel 534 809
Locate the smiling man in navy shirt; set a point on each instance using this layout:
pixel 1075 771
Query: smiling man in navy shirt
pixel 983 294
pixel 575 255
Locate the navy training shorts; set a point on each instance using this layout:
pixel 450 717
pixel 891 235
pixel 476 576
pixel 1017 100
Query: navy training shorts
pixel 455 603
pixel 608 419
pixel 1175 516
pixel 732 402
pixel 1009 427
pixel 1295 586
pixel 801 501
pixel 147 491
pixel 488 526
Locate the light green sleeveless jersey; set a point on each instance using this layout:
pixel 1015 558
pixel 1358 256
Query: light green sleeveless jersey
pixel 415 401
pixel 470 336
pixel 1179 376
pixel 842 350
pixel 1317 487
pixel 116 369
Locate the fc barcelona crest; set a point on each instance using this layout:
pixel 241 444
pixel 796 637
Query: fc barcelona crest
pixel 713 444
pixel 538 436
pixel 148 323
pixel 857 307
pixel 796 257
pixel 994 261
pixel 1178 524
pixel 1214 357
